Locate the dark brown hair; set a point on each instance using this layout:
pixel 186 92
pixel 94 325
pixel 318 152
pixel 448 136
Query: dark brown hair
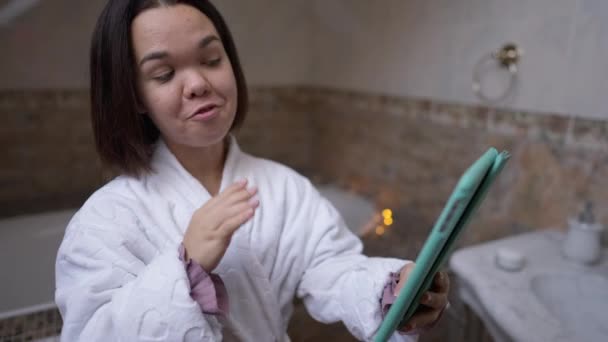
pixel 124 137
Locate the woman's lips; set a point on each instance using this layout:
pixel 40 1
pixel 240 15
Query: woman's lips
pixel 206 114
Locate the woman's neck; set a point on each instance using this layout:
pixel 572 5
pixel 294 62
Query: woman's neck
pixel 206 164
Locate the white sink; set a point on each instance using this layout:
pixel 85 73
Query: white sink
pixel 550 299
pixel 578 301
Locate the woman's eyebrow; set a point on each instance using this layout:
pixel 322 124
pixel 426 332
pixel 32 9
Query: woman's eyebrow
pixel 208 40
pixel 162 54
pixel 153 56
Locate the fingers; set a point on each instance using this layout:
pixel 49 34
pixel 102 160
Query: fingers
pixel 234 187
pixel 441 282
pixel 434 300
pixel 231 190
pixel 439 286
pixel 237 202
pixel 218 199
pixel 239 196
pixel 239 191
pixel 233 200
pixel 235 206
pixel 238 208
pixel 232 194
pixel 405 272
pixel 421 318
pixel 230 225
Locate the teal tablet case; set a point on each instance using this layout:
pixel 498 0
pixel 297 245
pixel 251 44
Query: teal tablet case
pixel 461 205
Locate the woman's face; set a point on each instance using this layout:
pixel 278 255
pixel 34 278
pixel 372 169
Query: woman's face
pixel 185 80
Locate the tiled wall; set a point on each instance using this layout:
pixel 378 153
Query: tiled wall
pixel 46 156
pixel 406 153
pixel 38 326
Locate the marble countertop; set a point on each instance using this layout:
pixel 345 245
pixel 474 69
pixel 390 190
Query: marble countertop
pixel 505 300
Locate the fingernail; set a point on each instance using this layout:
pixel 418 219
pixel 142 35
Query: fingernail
pixel 254 201
pixel 426 298
pixel 252 189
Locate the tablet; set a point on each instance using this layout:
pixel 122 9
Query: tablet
pixel 461 205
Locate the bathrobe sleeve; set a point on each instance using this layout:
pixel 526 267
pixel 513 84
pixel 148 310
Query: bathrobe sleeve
pixel 339 283
pixel 114 284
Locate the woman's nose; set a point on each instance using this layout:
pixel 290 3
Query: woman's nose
pixel 196 85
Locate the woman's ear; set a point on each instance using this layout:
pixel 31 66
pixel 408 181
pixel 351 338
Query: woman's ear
pixel 141 110
pixel 139 106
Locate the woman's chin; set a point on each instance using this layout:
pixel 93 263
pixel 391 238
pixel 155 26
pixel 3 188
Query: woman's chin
pixel 208 139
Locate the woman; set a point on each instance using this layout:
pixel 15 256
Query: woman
pixel 196 240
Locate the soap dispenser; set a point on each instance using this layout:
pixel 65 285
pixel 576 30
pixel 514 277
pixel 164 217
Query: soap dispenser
pixel 583 240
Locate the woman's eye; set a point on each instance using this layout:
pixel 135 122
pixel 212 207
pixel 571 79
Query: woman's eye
pixel 166 77
pixel 213 62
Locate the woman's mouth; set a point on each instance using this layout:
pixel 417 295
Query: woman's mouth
pixel 206 113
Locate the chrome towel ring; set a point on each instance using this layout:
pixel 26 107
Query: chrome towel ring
pixel 506 58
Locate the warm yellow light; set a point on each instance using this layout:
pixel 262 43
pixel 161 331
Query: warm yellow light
pixel 387 213
pixel 388 221
pixel 379 230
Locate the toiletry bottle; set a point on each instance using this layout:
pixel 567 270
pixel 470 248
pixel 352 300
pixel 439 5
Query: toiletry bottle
pixel 583 240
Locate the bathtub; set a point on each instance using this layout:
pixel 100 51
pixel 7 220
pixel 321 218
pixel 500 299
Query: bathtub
pixel 28 247
pixel 359 213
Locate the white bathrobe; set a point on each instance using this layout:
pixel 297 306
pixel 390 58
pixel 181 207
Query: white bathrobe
pixel 119 276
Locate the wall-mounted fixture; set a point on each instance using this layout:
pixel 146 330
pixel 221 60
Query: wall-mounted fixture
pixel 505 58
